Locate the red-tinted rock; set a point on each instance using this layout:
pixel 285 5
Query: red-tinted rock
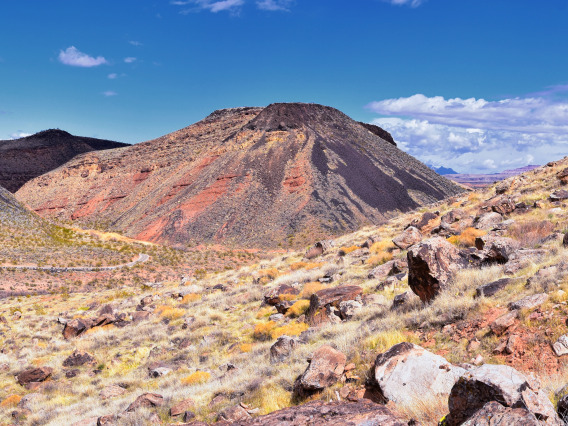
pixel 326 367
pixel 181 407
pixel 77 359
pixel 76 327
pixel 234 414
pixel 273 296
pixel 409 237
pixel 146 400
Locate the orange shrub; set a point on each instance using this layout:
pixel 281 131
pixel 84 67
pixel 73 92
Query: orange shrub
pixel 311 288
pixel 169 312
pixel 379 258
pixel 196 378
pixel 191 297
pixel 293 329
pixel 11 401
pixel 304 265
pixel 298 308
pixel 382 246
pixel 262 331
pixel 245 347
pixel 466 238
pixel 265 312
pixel 347 250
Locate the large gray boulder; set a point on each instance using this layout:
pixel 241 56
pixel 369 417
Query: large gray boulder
pixel 502 384
pixel 407 238
pixel 407 373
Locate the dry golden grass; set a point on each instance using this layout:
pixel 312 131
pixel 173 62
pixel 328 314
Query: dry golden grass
pixel 298 308
pixel 199 377
pixel 292 329
pixel 10 401
pixel 530 233
pixel 169 312
pixel 467 237
pixel 305 265
pixel 311 288
pixel 262 331
pixel 379 258
pixel 191 297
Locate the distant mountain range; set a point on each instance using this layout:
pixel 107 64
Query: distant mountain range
pixel 283 174
pixel 26 158
pixel 483 180
pixel 443 170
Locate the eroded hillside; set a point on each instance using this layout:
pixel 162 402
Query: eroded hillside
pixel 256 177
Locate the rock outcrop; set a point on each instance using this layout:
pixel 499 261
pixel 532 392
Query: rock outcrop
pixel 326 367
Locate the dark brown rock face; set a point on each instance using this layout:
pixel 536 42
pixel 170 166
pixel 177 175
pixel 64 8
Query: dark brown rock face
pixel 273 296
pixel 431 264
pixel 77 359
pixel 361 413
pixel 495 249
pixel 249 176
pixel 34 375
pixel 24 159
pixel 409 237
pixel 325 303
pixel 76 327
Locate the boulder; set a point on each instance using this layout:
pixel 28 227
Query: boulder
pixel 234 414
pixel 34 375
pixel 147 400
pixel 562 408
pixel 340 413
pixel 108 420
pixel 493 413
pixel 504 322
pixel 326 367
pixel 501 204
pixel 181 407
pixel 140 316
pixel 488 220
pixel 502 384
pixel 392 267
pixel 318 249
pixel 492 288
pixel 529 302
pixel 560 347
pixel 76 327
pixel 494 249
pixel 503 186
pixel 273 296
pixel 325 303
pixel 403 300
pixel 453 216
pixel 407 373
pixel 159 372
pixel 78 358
pixel 522 258
pixel 112 391
pixel 431 264
pixel 559 195
pixel 409 237
pixel 348 308
pixel 426 223
pixel 563 176
pixel 282 348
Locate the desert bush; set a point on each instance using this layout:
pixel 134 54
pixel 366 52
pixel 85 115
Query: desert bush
pixel 347 250
pixel 382 246
pixel 11 401
pixel 262 331
pixel 191 297
pixel 199 377
pixel 379 258
pixel 293 329
pixel 466 238
pixel 311 288
pixel 298 308
pixel 169 312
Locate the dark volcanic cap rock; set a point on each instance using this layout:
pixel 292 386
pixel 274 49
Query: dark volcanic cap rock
pixel 24 159
pixel 248 176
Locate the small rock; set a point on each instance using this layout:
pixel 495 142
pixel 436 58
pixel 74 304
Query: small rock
pixel 409 237
pixel 560 347
pixel 78 358
pixel 234 414
pixel 146 400
pixel 276 317
pixel 492 288
pixel 282 348
pixel 159 372
pixel 34 375
pixel 529 302
pixel 501 324
pixel 326 367
pixel 112 391
pixel 488 220
pixel 181 407
pixel 559 195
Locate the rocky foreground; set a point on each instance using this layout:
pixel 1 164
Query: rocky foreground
pixel 454 314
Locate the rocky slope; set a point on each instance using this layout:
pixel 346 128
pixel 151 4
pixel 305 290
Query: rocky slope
pixel 24 159
pixel 455 313
pixel 286 173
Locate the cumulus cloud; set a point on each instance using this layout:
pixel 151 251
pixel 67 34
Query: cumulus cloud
pixel 112 76
pixel 19 134
pixel 73 57
pixel 211 5
pixel 274 5
pixel 476 135
pixel 109 93
pixel 135 43
pixel 129 60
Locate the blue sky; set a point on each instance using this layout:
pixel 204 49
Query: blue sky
pixel 477 85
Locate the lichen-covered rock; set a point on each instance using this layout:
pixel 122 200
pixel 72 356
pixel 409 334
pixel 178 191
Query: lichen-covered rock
pixel 326 367
pixel 147 400
pixel 282 348
pixel 325 303
pixel 409 237
pixel 407 373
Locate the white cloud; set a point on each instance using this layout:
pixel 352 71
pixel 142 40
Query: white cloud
pixel 19 134
pixel 73 57
pixel 274 5
pixel 411 3
pixel 129 60
pixel 112 76
pixel 109 93
pixel 135 43
pixel 211 5
pixel 476 135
